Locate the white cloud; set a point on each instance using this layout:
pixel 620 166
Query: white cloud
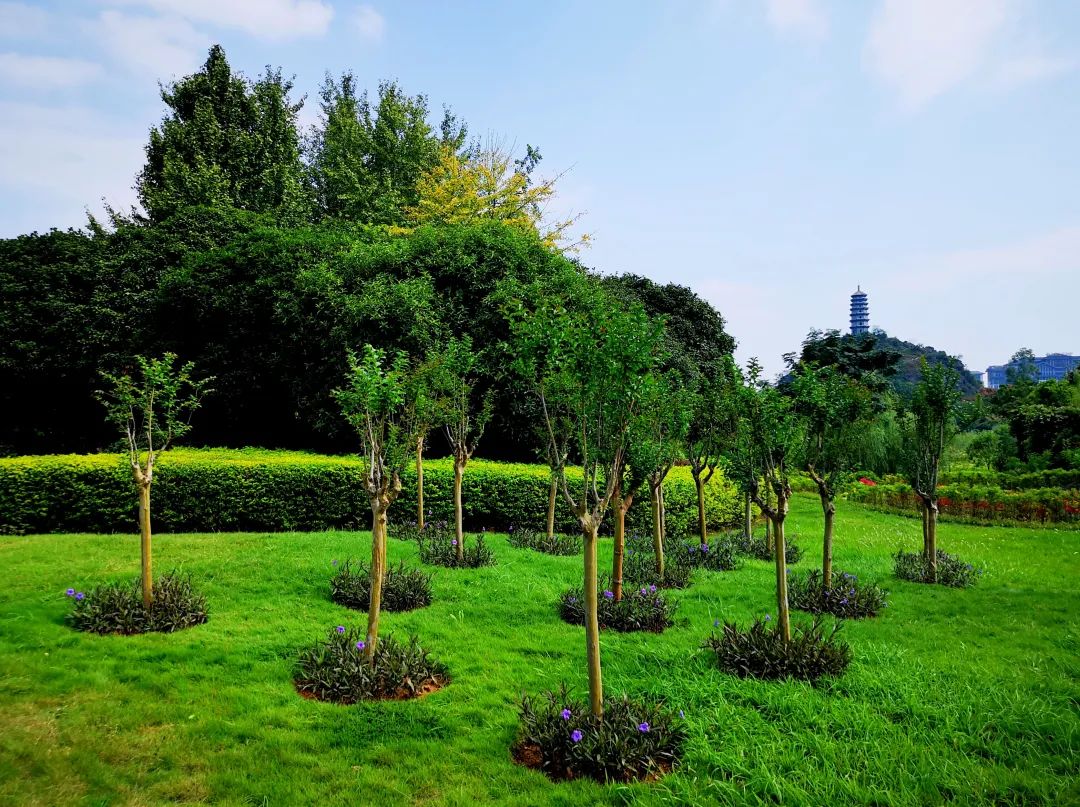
pixel 802 17
pixel 1033 67
pixel 162 47
pixel 370 23
pixel 22 22
pixel 265 19
pixel 48 72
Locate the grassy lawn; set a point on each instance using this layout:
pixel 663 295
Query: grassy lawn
pixel 954 696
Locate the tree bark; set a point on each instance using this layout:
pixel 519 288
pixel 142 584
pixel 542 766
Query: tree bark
pixel 925 528
pixel 144 544
pixel 663 516
pixel 378 571
pixel 931 539
pixel 420 482
pixel 553 493
pixel 658 529
pixel 768 524
pixel 619 545
pixel 782 616
pixel 829 508
pixel 592 623
pixel 459 472
pixel 702 526
pixel 748 521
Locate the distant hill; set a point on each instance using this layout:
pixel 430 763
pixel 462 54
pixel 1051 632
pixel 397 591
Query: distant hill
pixel 907 368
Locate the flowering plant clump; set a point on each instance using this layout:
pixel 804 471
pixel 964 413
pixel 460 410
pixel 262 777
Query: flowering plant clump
pixel 442 551
pixel 118 607
pixel 847 597
pixel 757 548
pixel 720 554
pixel 560 736
pixel 761 652
pixel 432 530
pixel 403 588
pixel 557 544
pixel 336 669
pixel 641 608
pixel 951 571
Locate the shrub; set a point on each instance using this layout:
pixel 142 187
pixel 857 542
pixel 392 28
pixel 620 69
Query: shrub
pixel 557 544
pixel 757 548
pixel 335 669
pixel 118 607
pixel 644 608
pixel 441 550
pixel 951 571
pixel 403 588
pixel 761 652
pixel 635 740
pixel 966 502
pixel 719 555
pixel 639 565
pixel 847 598
pixel 219 490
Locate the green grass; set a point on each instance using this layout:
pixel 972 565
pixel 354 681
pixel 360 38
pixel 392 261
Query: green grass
pixel 953 696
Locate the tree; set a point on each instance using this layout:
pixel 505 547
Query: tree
pixel 836 411
pixel 463 411
pixel 375 402
pixel 422 414
pixel 712 425
pixel 930 427
pixel 152 407
pixel 766 448
pixel 589 372
pixel 1022 368
pixel 226 142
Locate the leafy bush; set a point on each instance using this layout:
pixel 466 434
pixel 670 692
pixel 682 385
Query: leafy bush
pixel 557 544
pixel 335 669
pixel 951 571
pixel 403 588
pixel 219 490
pixel 719 555
pixel 761 652
pixel 635 740
pixel 757 548
pixel 847 598
pixel 442 551
pixel 989 504
pixel 639 564
pixel 118 607
pixel 644 608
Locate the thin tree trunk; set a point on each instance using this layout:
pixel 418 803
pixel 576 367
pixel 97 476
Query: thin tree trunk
pixel 378 571
pixel 748 520
pixel 619 547
pixel 931 539
pixel 144 543
pixel 553 493
pixel 459 472
pixel 925 529
pixel 658 529
pixel 663 516
pixel 782 616
pixel 420 482
pixel 702 526
pixel 768 524
pixel 828 507
pixel 592 623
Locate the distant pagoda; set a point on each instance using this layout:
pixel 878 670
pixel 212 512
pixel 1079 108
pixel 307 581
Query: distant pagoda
pixel 860 312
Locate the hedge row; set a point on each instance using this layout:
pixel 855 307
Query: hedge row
pixel 983 505
pixel 1061 478
pixel 218 490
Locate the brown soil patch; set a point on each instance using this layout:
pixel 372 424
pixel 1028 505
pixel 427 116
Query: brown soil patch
pixel 402 694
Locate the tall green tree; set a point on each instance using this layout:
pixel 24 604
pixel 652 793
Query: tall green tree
pixel 712 426
pixel 930 427
pixel 226 141
pixel 152 407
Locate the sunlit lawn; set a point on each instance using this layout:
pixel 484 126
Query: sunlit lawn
pixel 953 697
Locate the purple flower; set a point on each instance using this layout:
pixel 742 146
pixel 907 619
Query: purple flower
pixel 644 591
pixel 576 735
pixel 454 542
pixel 360 645
pixel 571 599
pixel 704 547
pixel 652 589
pixel 643 728
pixel 682 713
pixel 716 623
pixel 70 592
pixel 843 601
pixel 609 595
pixel 565 714
pixel 340 628
pixel 79 596
pixel 768 618
pixel 333 563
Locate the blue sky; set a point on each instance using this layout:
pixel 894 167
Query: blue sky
pixel 772 154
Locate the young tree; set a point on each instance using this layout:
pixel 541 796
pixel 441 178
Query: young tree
pixel 930 427
pixel 766 448
pixel 153 408
pixel 836 410
pixel 711 428
pixel 422 415
pixel 375 402
pixel 589 372
pixel 462 411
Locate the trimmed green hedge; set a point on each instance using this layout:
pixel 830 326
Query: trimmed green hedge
pixel 981 505
pixel 220 490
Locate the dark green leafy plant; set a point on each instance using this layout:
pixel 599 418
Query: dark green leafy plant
pixel 441 550
pixel 336 669
pixel 757 548
pixel 403 588
pixel 951 571
pixel 644 608
pixel 119 608
pixel 639 565
pixel 761 652
pixel 847 597
pixel 635 739
pixel 557 544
